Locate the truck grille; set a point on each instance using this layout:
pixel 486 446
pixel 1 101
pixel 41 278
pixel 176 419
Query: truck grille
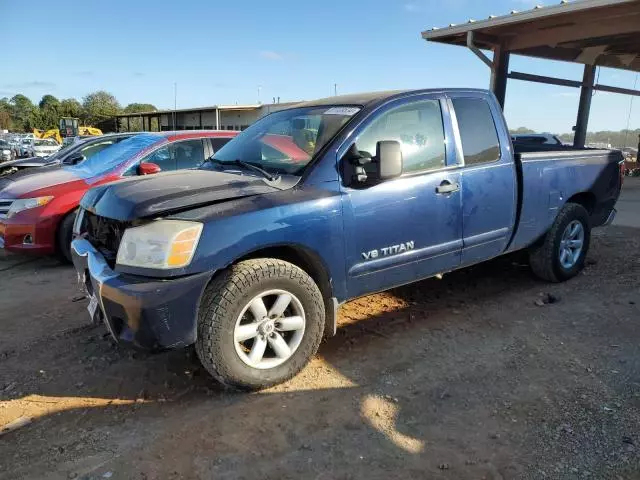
pixel 104 234
pixel 5 205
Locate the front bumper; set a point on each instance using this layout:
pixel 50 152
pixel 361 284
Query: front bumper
pixel 24 236
pixel 149 313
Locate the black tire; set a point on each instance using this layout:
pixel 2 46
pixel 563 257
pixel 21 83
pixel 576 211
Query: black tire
pixel 222 303
pixel 544 257
pixel 64 237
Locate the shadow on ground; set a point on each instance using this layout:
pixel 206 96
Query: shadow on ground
pixel 465 377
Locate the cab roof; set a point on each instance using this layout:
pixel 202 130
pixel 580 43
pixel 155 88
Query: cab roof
pixel 367 99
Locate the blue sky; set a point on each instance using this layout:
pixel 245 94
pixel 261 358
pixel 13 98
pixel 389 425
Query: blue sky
pixel 221 52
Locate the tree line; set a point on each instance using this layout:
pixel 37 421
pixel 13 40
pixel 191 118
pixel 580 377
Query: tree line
pixel 622 138
pixel 20 114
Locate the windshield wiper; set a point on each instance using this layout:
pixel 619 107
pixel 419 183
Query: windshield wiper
pixel 253 167
pixel 242 163
pixel 213 160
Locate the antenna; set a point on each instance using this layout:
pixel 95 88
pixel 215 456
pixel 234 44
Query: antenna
pixel 175 102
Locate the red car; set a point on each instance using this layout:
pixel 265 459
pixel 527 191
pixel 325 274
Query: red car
pixel 37 206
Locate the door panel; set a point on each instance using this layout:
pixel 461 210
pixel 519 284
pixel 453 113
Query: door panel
pixel 489 184
pixel 403 230
pixel 415 232
pixel 488 206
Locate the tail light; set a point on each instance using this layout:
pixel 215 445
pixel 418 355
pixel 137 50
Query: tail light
pixel 622 170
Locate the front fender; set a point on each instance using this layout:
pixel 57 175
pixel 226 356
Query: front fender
pixel 309 219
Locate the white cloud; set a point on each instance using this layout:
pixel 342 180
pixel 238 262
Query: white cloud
pixel 271 55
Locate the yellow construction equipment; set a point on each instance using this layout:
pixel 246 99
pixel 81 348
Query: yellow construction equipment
pixel 89 131
pixel 53 133
pixel 68 128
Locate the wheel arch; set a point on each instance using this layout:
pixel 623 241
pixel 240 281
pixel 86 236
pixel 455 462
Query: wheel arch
pixel 311 263
pixel 61 218
pixel 586 199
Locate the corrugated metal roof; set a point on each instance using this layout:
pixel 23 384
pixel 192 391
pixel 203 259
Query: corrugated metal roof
pixel 536 13
pixel 211 108
pixel 593 32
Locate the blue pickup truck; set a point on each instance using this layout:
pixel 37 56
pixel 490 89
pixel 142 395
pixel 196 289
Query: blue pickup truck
pixel 249 256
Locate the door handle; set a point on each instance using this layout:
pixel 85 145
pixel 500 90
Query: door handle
pixel 446 187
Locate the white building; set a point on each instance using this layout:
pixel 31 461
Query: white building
pixel 216 117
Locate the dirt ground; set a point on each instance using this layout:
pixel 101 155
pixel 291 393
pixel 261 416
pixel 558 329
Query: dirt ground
pixel 469 377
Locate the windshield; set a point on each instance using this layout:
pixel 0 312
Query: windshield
pixel 115 155
pixel 47 142
pixel 285 141
pixel 66 151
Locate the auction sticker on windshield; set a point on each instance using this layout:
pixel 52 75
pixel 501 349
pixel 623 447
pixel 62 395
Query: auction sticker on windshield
pixel 348 111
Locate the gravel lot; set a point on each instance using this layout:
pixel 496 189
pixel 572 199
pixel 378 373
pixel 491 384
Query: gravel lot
pixel 469 377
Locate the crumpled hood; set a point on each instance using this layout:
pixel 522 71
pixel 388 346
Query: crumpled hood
pixel 23 182
pixel 151 195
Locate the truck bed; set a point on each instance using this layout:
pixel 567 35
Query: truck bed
pixel 535 148
pixel 549 177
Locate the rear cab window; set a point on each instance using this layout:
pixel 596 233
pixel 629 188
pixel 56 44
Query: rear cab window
pixel 478 132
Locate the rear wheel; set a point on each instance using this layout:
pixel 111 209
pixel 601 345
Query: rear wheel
pixel 561 253
pixel 65 235
pixel 259 323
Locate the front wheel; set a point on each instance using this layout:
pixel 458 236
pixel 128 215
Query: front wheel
pixel 259 323
pixel 65 236
pixel 561 253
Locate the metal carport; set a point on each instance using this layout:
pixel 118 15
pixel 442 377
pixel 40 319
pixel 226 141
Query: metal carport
pixel 591 32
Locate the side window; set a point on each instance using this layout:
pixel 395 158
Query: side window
pixel 95 148
pixel 218 142
pixel 418 127
pixel 163 158
pixel 188 154
pixel 477 130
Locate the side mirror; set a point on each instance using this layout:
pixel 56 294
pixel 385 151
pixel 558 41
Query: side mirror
pixel 148 168
pixel 388 159
pixel 76 159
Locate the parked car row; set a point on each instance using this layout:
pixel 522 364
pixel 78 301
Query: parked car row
pixel 249 255
pixel 27 145
pixel 7 152
pixel 38 205
pixel 73 154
